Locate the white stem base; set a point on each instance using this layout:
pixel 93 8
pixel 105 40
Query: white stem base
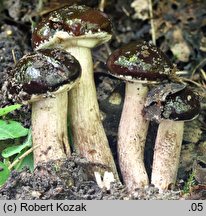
pixel 132 136
pixel 166 153
pixel 88 134
pixel 49 128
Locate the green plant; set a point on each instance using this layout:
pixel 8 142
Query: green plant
pixel 14 156
pixel 189 184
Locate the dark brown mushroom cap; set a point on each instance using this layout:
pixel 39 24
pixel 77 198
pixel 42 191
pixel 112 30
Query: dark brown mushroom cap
pixel 178 105
pixel 140 61
pixel 44 71
pixel 160 92
pixel 75 20
pixel 182 106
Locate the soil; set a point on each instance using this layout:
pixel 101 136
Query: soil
pixel 71 179
pixel 181 28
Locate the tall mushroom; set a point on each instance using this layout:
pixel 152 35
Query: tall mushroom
pixel 139 64
pixel 77 29
pixel 43 80
pixel 170 104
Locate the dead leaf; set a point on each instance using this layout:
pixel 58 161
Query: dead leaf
pixel 141 8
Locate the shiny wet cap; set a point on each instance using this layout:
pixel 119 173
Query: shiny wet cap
pixel 69 25
pixel 140 62
pixel 172 101
pixel 44 71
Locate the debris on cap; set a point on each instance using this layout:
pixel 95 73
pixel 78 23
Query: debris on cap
pixel 141 62
pixel 171 101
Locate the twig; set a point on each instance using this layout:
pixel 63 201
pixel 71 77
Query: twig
pixel 102 5
pixel 22 157
pixel 203 74
pixel 108 48
pixel 14 57
pixel 152 22
pixel 193 82
pixel 125 11
pixel 181 72
pixel 200 63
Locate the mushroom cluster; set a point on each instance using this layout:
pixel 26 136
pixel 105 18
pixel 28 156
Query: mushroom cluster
pixel 77 29
pixel 141 64
pixel 62 62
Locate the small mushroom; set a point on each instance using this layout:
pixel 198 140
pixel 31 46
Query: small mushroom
pixel 77 29
pixel 139 64
pixel 43 79
pixel 178 104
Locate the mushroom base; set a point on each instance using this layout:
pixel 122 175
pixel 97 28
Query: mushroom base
pixel 89 137
pixel 167 153
pixel 49 128
pixel 132 136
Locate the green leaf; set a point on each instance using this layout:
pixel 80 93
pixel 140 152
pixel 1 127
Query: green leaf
pixel 25 162
pixel 11 130
pixel 4 173
pixel 8 109
pixel 7 162
pixel 12 150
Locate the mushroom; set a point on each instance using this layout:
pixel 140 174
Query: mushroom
pixel 139 64
pixel 77 29
pixel 169 104
pixel 43 79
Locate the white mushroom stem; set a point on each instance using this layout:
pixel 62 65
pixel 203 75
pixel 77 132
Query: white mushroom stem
pixel 49 128
pixel 88 134
pixel 132 136
pixel 167 153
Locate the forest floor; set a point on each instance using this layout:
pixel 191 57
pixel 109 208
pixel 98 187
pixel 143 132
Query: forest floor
pixel 179 30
